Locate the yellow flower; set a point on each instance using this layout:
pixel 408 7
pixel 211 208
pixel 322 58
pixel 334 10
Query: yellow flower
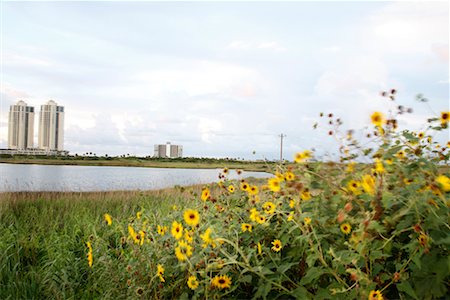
pixel 276 245
pixel 444 182
pixel 368 184
pixel 160 273
pixel 290 216
pixel 379 168
pixel 302 156
pixel 445 117
pixel 246 227
pixel 353 186
pixel 400 154
pixel 408 181
pixel 135 236
pixel 231 189
pixel 350 167
pixel 162 230
pixel 259 248
pixel 377 119
pixel 307 220
pixel 305 195
pixel 346 228
pixel 221 281
pixel 188 236
pixel 89 255
pixel 108 219
pixel 183 251
pixel 225 171
pixel 205 194
pixel 244 186
pixel 139 214
pixel 421 135
pixel 90 259
pixel 292 203
pixel 254 214
pixel 375 295
pixel 289 176
pixel 274 184
pixel 174 207
pixel 253 190
pixel 261 220
pixel 279 176
pixel 191 217
pixel 192 282
pixel 389 161
pixel 177 230
pixel 269 207
pixel 140 237
pixel 207 240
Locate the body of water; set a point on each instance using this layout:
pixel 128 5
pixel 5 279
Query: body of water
pixel 16 177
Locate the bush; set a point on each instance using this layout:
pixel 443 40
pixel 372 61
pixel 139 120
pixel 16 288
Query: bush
pixel 316 230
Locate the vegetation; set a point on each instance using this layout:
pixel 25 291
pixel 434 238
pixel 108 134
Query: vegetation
pixel 377 230
pixel 133 161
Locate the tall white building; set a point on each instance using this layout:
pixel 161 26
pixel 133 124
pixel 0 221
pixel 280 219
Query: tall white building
pixel 51 127
pixel 168 150
pixel 20 126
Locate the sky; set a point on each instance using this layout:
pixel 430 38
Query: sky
pixel 223 79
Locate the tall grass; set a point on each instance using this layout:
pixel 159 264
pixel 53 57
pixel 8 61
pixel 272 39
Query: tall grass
pixel 42 239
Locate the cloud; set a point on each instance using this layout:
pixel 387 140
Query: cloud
pixel 270 45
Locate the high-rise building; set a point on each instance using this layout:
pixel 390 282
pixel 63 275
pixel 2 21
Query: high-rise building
pixel 168 150
pixel 51 127
pixel 20 126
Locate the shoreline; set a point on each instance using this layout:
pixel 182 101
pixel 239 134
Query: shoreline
pixel 244 166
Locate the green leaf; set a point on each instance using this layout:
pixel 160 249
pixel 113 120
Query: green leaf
pixel 312 274
pixel 246 278
pixel 406 287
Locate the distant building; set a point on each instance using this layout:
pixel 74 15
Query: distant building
pixel 168 150
pixel 20 126
pixel 51 127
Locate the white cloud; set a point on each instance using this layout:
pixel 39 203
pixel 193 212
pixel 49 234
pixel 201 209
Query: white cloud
pixel 270 45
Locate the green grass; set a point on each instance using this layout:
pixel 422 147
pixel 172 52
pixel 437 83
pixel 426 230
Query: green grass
pixel 43 235
pixel 186 163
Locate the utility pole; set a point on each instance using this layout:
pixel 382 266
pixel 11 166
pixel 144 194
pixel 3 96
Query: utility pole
pixel 281 146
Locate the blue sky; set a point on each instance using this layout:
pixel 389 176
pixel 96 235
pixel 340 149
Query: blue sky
pixel 223 79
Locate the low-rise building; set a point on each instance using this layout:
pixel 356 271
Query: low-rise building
pixel 168 151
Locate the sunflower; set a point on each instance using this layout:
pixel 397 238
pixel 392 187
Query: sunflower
pixel 246 227
pixel 444 182
pixel 375 295
pixel 291 216
pixel 108 219
pixel 269 207
pixel 231 189
pixel 389 161
pixel 205 194
pixel 192 282
pixel 445 117
pixel 346 228
pixel 305 195
pixel 191 217
pixel 225 171
pixel 177 230
pixel 189 236
pixel 259 247
pixel 307 220
pixel 253 190
pixel 292 203
pixel 421 135
pixel 244 186
pixel 289 176
pixel 368 184
pixel 350 167
pixel 160 273
pixel 377 119
pixel 221 281
pixel 89 255
pixel 183 251
pixel 139 214
pixel 261 220
pixel 276 245
pixel 354 186
pixel 302 156
pixel 400 154
pixel 274 184
pixel 408 181
pixel 379 168
pixel 162 230
pixel 139 291
pixel 207 240
pixel 254 214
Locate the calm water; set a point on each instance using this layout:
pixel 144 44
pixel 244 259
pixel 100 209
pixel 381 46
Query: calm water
pixel 14 177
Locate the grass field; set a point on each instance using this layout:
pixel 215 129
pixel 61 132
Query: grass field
pixel 187 163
